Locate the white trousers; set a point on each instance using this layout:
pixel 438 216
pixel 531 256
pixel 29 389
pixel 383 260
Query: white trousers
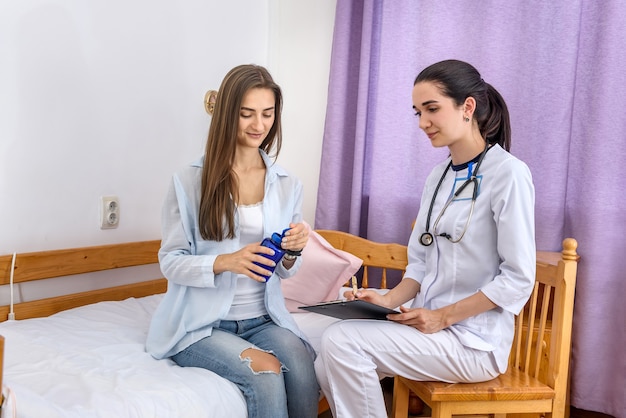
pixel 356 354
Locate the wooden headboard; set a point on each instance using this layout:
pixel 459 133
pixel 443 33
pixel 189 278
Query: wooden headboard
pixel 66 262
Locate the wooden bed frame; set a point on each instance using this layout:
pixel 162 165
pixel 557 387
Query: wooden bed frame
pixel 66 262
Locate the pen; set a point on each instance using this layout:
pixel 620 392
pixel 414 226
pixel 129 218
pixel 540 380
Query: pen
pixel 354 286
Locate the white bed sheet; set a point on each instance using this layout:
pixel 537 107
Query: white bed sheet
pixel 91 362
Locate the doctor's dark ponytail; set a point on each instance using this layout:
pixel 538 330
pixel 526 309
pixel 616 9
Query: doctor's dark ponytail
pixel 495 125
pixel 459 80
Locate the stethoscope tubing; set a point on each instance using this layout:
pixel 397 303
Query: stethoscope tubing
pixel 469 217
pixel 427 238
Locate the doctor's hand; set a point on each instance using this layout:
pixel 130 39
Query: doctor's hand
pixel 421 319
pixel 367 295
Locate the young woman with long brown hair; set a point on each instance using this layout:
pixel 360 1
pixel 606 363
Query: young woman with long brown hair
pixel 219 312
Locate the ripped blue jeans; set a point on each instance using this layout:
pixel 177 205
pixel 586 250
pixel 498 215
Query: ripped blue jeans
pixel 293 392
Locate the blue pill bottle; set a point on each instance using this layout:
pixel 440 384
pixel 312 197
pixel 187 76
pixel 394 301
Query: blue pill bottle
pixel 273 242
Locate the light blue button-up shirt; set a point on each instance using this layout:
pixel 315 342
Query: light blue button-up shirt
pixel 196 298
pixel 496 256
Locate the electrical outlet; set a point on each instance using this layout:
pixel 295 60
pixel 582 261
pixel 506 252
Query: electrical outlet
pixel 109 212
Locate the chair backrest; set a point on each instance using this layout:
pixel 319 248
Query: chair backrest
pixel 389 256
pixel 541 347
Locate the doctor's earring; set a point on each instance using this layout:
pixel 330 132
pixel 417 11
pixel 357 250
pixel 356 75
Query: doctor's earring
pixel 466 119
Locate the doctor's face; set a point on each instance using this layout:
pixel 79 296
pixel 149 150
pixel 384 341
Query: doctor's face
pixel 439 117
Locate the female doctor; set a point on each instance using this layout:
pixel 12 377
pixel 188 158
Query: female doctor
pixel 471 257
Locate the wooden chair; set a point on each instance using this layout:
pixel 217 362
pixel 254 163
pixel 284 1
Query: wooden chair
pixel 374 255
pixel 537 379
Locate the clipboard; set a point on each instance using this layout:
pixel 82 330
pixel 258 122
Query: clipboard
pixel 350 309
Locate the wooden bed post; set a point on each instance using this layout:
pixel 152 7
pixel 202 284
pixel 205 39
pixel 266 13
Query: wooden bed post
pixel 1 371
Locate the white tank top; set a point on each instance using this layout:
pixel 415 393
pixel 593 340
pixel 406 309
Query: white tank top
pixel 249 301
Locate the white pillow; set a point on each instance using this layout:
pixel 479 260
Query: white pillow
pixel 323 271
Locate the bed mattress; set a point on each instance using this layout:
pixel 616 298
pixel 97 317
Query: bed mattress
pixel 91 362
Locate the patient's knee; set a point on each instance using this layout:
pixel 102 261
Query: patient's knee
pixel 261 361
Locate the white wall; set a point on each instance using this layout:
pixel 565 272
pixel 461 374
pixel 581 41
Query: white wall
pixel 105 98
pixel 300 49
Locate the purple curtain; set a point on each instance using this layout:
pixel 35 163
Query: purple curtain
pixel 561 68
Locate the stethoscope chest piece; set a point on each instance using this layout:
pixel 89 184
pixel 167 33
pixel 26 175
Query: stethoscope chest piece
pixel 426 239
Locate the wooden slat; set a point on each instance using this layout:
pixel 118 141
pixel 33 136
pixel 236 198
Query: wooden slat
pixel 513 385
pixel 322 406
pixel 541 332
pixel 532 316
pixel 66 262
pixel 49 306
pixel 473 409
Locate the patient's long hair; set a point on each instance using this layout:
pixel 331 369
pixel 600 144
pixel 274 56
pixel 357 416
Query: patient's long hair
pixel 460 80
pixel 220 188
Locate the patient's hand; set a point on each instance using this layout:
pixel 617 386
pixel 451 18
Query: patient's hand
pixel 248 261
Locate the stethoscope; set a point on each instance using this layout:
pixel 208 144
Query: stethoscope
pixel 427 237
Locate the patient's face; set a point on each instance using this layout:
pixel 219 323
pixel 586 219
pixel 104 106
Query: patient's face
pixel 256 117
